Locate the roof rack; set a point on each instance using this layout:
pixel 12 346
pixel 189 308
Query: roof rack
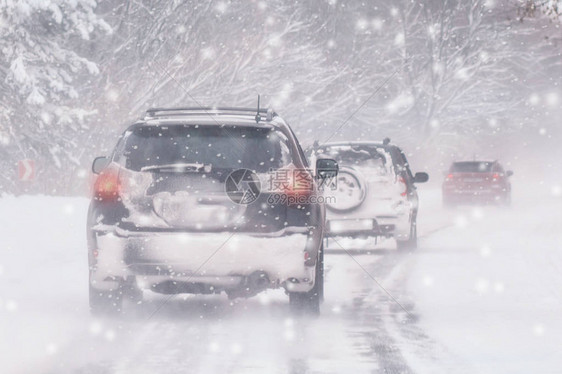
pixel 183 111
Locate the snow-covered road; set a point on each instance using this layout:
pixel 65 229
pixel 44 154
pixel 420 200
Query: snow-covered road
pixel 482 294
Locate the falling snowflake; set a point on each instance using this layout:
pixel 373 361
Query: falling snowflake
pixel 221 7
pixel 236 348
pixel 461 222
pixel 68 209
pixel 112 95
pixel 534 99
pixel 462 74
pixel 11 306
pixel 482 285
pixel 499 287
pixel 51 349
pixel 361 24
pixel 538 329
pixel 207 53
pixel 477 213
pixel 109 335
pixel 377 24
pixel 399 39
pixel 552 98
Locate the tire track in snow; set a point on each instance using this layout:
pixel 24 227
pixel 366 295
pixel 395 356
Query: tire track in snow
pixel 373 308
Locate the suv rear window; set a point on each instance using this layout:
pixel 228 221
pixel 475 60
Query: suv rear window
pixel 359 155
pixel 472 167
pixel 228 147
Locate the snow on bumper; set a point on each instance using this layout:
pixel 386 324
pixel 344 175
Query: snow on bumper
pixel 397 226
pixel 468 195
pixel 219 259
pixel 376 216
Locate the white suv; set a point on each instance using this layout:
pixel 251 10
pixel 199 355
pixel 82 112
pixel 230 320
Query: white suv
pixel 375 193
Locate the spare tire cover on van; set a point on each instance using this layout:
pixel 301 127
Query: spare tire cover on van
pixel 349 193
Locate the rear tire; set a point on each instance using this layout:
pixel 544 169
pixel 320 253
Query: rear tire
pixel 412 242
pixel 131 291
pixel 106 302
pixel 507 200
pixel 309 302
pixel 321 282
pixel 305 302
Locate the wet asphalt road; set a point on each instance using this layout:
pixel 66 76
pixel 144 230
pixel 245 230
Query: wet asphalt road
pixel 481 294
pixel 368 324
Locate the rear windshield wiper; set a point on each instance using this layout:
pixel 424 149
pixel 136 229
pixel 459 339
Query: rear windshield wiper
pixel 179 168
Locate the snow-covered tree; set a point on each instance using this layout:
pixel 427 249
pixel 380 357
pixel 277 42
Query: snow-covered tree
pixel 549 8
pixel 449 73
pixel 205 53
pixel 40 111
pixel 430 74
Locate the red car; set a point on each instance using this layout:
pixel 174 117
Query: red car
pixel 477 182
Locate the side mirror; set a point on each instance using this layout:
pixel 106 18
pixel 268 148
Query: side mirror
pixel 326 168
pixel 421 178
pixel 99 164
pixel 509 173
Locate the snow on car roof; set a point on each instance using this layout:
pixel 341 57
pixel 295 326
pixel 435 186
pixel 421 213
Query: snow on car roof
pixel 352 142
pixel 210 120
pixel 475 161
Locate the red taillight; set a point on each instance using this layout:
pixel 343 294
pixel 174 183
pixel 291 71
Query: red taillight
pixel 449 177
pixel 107 186
pixel 404 188
pixel 496 176
pixel 299 187
pixel 298 196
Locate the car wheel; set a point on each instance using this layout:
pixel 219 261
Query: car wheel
pixel 106 302
pixel 507 199
pixel 131 291
pixel 321 279
pixel 309 302
pixel 412 242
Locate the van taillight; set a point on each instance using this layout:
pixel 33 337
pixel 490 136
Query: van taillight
pixel 404 191
pixel 107 186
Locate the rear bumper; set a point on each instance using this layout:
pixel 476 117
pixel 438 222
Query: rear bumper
pixel 397 226
pixel 221 260
pixel 480 195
